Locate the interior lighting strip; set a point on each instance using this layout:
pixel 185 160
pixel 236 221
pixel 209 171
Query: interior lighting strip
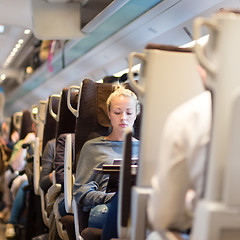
pixel 16 48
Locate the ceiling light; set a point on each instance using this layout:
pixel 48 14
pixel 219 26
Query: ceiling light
pixel 29 70
pixel 13 53
pixel 135 68
pixel 202 41
pixel 35 110
pixel 3 77
pixel 2 28
pixel 100 81
pixel 27 31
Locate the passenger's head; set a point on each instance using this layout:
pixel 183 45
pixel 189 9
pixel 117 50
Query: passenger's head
pixel 122 108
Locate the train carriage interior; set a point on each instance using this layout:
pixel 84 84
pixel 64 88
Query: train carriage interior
pixel 119 119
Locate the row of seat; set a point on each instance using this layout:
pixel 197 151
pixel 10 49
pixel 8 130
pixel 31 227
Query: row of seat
pixel 168 78
pixel 80 110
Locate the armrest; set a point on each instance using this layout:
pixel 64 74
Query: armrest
pixel 53 192
pixel 68 177
pixel 43 208
pixel 36 167
pixel 76 219
pixel 124 199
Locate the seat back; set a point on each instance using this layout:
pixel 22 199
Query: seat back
pixel 49 133
pixel 92 119
pixel 26 124
pixel 216 214
pixel 50 124
pixel 39 119
pixel 65 124
pixel 168 78
pixel 66 120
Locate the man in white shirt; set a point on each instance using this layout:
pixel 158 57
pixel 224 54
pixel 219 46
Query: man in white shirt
pixel 182 164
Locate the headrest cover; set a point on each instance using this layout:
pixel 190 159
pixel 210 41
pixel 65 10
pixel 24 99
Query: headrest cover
pixel 236 11
pixel 168 48
pixel 102 96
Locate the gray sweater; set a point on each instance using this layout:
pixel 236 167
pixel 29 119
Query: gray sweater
pixel 47 165
pixel 90 187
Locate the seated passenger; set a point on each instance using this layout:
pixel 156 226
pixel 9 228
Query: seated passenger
pixel 46 181
pixel 5 150
pixel 16 164
pixel 18 208
pixel 90 187
pixel 46 175
pixel 6 146
pixel 18 191
pixel 181 165
pixel 59 158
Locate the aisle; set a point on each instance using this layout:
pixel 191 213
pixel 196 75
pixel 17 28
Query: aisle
pixel 2 231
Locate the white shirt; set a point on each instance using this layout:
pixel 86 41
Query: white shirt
pixel 181 165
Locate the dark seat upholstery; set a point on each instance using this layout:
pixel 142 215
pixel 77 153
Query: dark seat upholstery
pixel 50 123
pixel 34 225
pixel 49 133
pixel 92 234
pixel 26 124
pixel 67 222
pixel 66 123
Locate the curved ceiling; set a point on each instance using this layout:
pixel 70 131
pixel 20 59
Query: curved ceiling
pixel 105 50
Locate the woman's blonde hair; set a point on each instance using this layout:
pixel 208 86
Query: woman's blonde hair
pixel 120 90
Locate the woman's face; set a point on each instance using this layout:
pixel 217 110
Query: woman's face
pixel 122 113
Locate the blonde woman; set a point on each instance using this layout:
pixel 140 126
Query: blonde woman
pixel 90 187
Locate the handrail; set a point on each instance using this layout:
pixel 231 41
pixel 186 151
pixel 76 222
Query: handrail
pixel 53 114
pixel 75 112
